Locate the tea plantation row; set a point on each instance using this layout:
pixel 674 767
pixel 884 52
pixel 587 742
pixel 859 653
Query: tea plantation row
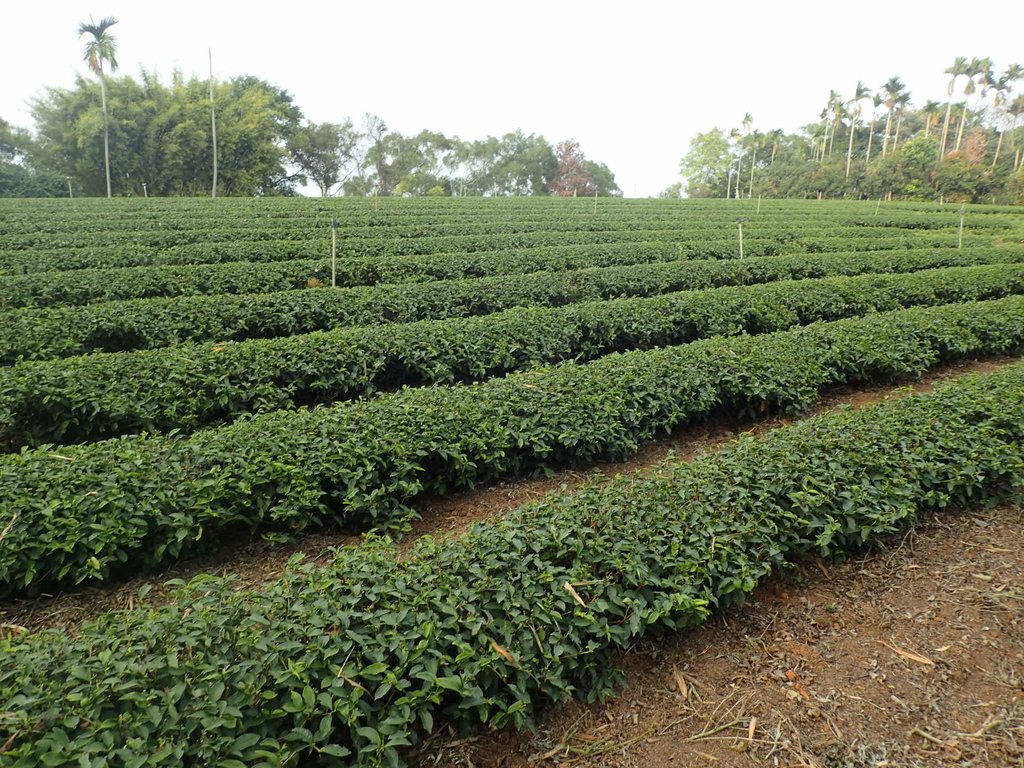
pixel 350 663
pixel 191 386
pixel 48 333
pixel 89 511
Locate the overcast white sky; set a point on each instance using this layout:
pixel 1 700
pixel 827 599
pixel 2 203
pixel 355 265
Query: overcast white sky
pixel 632 82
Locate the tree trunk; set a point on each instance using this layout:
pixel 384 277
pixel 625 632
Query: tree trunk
pixel 106 131
pixel 999 145
pixel 945 124
pixel 849 148
pixel 871 136
pixel 960 130
pixel 888 127
pixel 896 137
pixel 753 165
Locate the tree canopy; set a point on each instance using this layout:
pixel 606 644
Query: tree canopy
pixel 876 144
pixel 160 136
pixel 160 143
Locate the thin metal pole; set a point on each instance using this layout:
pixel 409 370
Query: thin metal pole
pixel 740 223
pixel 213 125
pixel 960 237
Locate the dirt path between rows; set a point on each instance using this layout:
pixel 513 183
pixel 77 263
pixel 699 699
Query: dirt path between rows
pixel 911 655
pixel 254 561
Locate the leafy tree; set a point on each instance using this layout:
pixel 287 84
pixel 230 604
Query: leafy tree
pixel 17 176
pixel 673 191
pixel 572 178
pixel 101 48
pixel 602 179
pixel 963 176
pixel 161 135
pixel 706 166
pixel 323 152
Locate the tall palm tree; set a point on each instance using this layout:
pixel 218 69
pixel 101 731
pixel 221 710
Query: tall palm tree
pixel 901 107
pixel 859 94
pixel 931 112
pixel 979 77
pixel 1015 111
pixel 819 152
pixel 958 68
pixel 838 110
pixel 1003 87
pixel 893 88
pixel 776 136
pixel 754 140
pixel 101 48
pixel 876 102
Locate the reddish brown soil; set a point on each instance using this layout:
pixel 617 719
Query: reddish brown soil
pixel 254 561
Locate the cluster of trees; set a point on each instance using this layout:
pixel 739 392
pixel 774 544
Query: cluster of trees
pixel 160 144
pixel 371 159
pixel 118 135
pixel 877 144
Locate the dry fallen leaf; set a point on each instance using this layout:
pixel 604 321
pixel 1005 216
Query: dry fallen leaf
pixel 907 654
pixel 684 689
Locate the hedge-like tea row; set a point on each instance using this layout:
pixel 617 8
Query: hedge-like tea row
pixel 175 221
pixel 87 286
pixel 115 248
pixel 84 512
pixel 187 387
pixel 348 663
pixel 147 323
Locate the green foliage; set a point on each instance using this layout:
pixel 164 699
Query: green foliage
pixel 160 135
pixel 706 166
pixel 18 178
pixel 348 663
pixel 54 332
pixel 325 152
pixel 192 386
pixel 90 511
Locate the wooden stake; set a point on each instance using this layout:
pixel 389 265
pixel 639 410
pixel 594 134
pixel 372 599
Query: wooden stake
pixel 334 253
